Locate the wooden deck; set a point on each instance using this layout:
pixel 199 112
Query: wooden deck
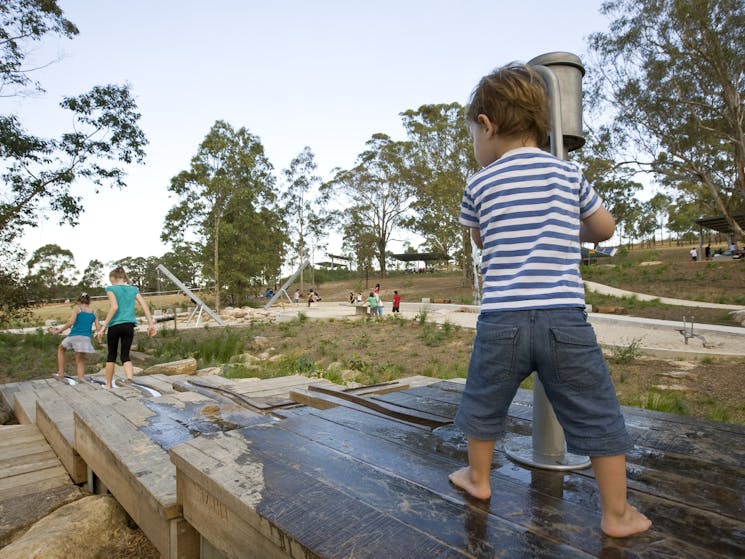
pixel 216 468
pixel 33 481
pixel 351 482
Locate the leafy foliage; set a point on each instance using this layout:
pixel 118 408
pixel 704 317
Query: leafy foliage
pixel 23 22
pixel 672 74
pixel 441 159
pixel 40 172
pixel 226 199
pixel 36 174
pixel 51 270
pixel 377 192
pixel 304 207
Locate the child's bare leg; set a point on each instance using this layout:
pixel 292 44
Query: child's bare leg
pixel 80 365
pixel 474 478
pixel 109 373
pixel 60 361
pixel 129 370
pixel 619 519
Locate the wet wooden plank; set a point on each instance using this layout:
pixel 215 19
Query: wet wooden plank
pixel 156 382
pixel 223 390
pixel 411 415
pixel 435 509
pixel 179 417
pixel 300 490
pixel 229 534
pixel 694 477
pixel 321 400
pixel 676 520
pixel 710 441
pixel 312 399
pixel 410 400
pixel 139 474
pixel 538 512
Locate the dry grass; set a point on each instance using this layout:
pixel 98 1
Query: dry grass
pixel 129 543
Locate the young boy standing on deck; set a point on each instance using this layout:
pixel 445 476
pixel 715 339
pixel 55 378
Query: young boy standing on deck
pixel 528 211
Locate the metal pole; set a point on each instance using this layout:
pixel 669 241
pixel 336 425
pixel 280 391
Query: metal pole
pixel 189 293
pixel 286 284
pixel 547 447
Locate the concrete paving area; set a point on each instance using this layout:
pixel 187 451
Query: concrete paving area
pixel 659 338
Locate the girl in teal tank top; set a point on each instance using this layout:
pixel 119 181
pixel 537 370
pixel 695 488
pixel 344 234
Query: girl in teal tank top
pixel 120 323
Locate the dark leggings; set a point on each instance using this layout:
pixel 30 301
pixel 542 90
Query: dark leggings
pixel 124 333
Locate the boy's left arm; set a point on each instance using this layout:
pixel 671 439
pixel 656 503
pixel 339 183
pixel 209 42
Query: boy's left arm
pixel 598 226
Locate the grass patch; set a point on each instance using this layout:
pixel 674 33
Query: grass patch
pixel 670 402
pixel 622 355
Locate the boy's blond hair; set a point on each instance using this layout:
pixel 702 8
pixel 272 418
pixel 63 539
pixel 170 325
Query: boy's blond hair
pixel 118 273
pixel 515 100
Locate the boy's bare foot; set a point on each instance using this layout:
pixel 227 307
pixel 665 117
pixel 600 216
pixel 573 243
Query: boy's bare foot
pixel 629 523
pixel 462 480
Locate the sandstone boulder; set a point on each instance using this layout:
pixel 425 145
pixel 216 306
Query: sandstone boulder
pixel 137 355
pixel 181 367
pixel 245 358
pixel 260 342
pixel 81 529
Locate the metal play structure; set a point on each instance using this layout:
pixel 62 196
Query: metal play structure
pixel 562 72
pixel 201 306
pixel 286 284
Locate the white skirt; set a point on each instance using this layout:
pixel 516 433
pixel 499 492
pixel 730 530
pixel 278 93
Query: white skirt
pixel 79 344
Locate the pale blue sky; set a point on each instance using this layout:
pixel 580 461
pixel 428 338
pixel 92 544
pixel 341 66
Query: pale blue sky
pixel 327 74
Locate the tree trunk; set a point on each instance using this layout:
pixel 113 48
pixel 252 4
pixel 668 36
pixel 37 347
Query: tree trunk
pixel 737 230
pixel 381 257
pixel 216 265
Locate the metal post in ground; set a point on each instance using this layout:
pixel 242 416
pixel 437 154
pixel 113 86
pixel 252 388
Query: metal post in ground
pixel 562 72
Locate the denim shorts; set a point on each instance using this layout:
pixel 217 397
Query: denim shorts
pixel 560 345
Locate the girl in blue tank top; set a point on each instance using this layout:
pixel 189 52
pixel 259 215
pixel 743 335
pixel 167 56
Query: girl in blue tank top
pixel 81 320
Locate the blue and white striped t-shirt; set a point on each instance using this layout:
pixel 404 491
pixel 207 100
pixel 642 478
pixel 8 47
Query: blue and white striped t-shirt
pixel 527 206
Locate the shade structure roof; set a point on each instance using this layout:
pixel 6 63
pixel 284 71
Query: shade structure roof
pixel 719 223
pixel 421 256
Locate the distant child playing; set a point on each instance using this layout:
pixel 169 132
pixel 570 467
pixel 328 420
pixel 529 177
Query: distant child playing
pixel 528 211
pixel 396 302
pixel 372 302
pixel 79 340
pixel 121 322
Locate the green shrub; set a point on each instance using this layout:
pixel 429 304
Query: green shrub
pixel 626 354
